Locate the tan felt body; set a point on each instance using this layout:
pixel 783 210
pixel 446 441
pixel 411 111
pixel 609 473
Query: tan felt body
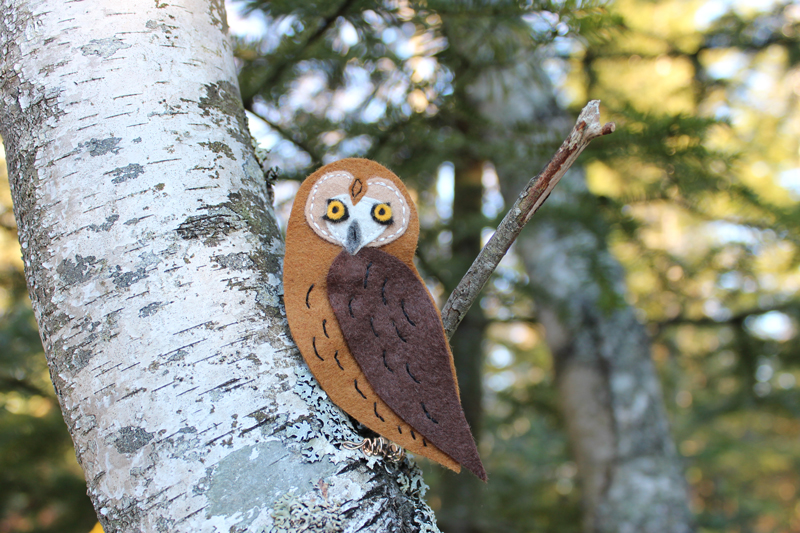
pixel 316 330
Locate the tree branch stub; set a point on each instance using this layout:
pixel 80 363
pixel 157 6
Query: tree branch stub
pixel 586 129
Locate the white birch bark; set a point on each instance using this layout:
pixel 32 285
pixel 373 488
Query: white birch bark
pixel 153 262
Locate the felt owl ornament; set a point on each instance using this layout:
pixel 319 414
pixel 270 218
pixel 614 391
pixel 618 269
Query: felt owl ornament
pixel 362 317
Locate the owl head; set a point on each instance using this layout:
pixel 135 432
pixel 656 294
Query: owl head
pixel 357 203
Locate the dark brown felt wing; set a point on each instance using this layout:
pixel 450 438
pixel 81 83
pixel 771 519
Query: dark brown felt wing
pixel 396 336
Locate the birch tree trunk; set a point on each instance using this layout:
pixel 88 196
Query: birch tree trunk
pixel 153 261
pixel 631 476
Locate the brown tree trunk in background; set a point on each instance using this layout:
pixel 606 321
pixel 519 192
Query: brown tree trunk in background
pixel 461 493
pixel 631 476
pixel 467 224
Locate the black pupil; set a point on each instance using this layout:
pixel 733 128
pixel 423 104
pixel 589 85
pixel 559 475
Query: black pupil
pixel 381 212
pixel 335 209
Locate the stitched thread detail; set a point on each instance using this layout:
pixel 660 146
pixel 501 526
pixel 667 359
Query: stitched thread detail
pixel 398 332
pixel 312 199
pixel 392 188
pixel 309 294
pixel 375 408
pixel 314 344
pixel 355 383
pixel 366 276
pixel 324 329
pixel 336 356
pixel 403 307
pixel 385 363
pixel 412 375
pixel 428 414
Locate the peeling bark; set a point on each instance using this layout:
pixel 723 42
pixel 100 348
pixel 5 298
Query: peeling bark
pixel 153 262
pixel 631 476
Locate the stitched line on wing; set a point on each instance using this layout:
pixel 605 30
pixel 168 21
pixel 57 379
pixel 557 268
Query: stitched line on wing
pixel 412 375
pixel 403 307
pixel 398 332
pixel 428 414
pixel 366 276
pixel 385 363
pixel 324 329
pixel 375 408
pixel 336 356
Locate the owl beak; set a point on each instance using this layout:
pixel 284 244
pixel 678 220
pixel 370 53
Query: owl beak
pixel 353 242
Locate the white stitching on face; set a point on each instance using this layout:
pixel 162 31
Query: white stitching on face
pixel 326 177
pixel 402 204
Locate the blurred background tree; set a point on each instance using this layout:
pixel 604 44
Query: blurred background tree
pixel 695 196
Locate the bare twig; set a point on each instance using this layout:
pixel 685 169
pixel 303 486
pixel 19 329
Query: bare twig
pixel 586 129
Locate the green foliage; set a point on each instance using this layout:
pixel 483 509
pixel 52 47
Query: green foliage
pixel 709 236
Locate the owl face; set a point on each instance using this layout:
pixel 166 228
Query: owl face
pixel 347 212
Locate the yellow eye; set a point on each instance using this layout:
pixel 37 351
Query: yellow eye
pixel 337 212
pixel 382 214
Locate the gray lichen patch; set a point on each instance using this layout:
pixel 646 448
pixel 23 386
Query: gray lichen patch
pixel 76 358
pixel 78 271
pixel 313 511
pixel 75 354
pixel 244 209
pixel 130 439
pixel 123 280
pixel 123 174
pixel 98 147
pixel 260 218
pixel 150 309
pixel 329 424
pixel 223 103
pixel 219 148
pixel 104 48
pixel 253 477
pixel 155 25
pixel 118 516
pixel 236 261
pixel 210 228
pixel 105 226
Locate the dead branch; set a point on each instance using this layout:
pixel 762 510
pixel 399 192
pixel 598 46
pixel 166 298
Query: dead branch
pixel 537 190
